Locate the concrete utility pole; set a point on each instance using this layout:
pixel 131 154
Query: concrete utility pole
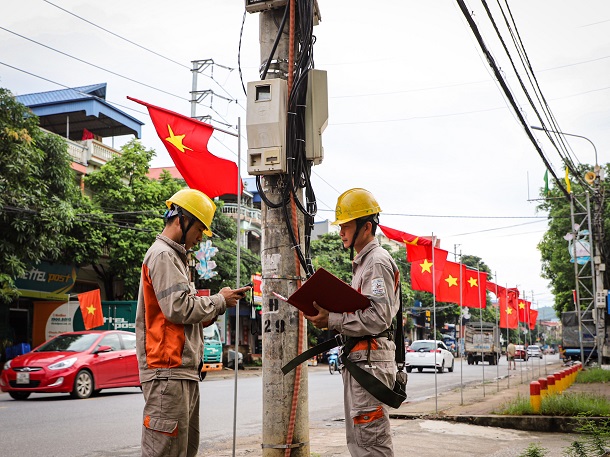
pixel 285 403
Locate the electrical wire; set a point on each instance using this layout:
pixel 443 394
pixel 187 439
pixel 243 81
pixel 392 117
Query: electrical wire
pixel 68 87
pixel 92 64
pixel 143 47
pixel 510 96
pixel 115 34
pixel 518 43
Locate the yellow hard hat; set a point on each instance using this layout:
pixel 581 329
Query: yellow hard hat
pixel 354 204
pixel 197 203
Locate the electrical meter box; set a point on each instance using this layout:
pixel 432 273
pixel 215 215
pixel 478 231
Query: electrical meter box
pixel 255 6
pixel 316 114
pixel 266 126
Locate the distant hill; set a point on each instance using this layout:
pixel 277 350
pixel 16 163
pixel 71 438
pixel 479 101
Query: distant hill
pixel 547 313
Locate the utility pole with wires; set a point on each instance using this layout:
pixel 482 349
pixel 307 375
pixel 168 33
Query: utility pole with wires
pixel 285 118
pixel 197 96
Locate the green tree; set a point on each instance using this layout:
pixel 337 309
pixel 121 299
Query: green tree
pixel 225 233
pixel 39 198
pixel 327 252
pixel 132 206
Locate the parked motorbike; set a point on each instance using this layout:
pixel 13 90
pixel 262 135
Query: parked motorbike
pixel 333 362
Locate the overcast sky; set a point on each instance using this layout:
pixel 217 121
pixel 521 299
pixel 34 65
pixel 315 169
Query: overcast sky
pixel 415 114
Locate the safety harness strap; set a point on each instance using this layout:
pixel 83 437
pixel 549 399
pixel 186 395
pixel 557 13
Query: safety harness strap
pixel 391 397
pixel 370 383
pixel 309 353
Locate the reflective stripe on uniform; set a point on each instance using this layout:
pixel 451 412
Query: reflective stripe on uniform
pixel 166 427
pixel 369 417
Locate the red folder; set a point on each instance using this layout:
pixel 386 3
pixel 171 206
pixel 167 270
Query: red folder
pixel 329 292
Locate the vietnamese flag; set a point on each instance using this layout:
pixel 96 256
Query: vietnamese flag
pixel 508 309
pixel 494 288
pixel 474 286
pixel 403 237
pixel 449 287
pixel 186 140
pixel 523 311
pixel 91 308
pixel 422 265
pixel 533 318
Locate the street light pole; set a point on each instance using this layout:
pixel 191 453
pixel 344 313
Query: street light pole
pixel 568 134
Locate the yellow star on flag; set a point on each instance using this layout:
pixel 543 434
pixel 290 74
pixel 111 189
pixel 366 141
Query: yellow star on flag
pixel 521 305
pixel 91 309
pixel 451 281
pixel 176 140
pixel 473 282
pixel 425 266
pixel 509 310
pixel 413 243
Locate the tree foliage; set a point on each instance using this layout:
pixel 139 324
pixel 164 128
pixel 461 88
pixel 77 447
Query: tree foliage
pixel 225 232
pixel 39 198
pixel 129 208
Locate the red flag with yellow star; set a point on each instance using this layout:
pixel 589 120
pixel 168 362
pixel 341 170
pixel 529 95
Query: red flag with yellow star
pixel 422 265
pixel 91 308
pixel 186 140
pixel 474 286
pixel 533 318
pixel 523 311
pixel 403 237
pixel 449 287
pixel 508 309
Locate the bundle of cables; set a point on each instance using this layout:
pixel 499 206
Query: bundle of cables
pixel 298 167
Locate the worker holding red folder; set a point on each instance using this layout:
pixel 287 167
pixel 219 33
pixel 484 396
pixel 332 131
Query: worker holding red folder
pixel 368 331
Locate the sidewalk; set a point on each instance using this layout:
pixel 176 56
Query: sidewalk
pixel 417 430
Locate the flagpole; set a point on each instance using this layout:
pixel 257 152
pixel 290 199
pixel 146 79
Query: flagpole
pixel 481 324
pixel 434 324
pixel 519 337
pixel 507 335
pixel 237 281
pixel 463 345
pixel 493 333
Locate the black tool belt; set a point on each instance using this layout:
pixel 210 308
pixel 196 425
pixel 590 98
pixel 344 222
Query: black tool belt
pixel 391 397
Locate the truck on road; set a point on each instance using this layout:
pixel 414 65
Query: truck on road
pixel 570 341
pixel 212 350
pixel 482 343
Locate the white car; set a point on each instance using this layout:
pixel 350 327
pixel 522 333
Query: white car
pixel 534 351
pixel 429 354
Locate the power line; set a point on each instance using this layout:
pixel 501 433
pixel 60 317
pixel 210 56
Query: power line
pixel 454 216
pixel 92 64
pixel 509 95
pixel 115 34
pixel 141 47
pixel 68 87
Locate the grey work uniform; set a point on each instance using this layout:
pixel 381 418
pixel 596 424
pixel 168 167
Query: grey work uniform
pixel 169 346
pixel 367 420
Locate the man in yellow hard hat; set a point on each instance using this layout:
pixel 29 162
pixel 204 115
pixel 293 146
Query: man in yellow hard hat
pixel 169 330
pixel 376 276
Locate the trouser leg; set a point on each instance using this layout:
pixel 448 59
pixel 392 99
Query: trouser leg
pixel 171 415
pixel 367 420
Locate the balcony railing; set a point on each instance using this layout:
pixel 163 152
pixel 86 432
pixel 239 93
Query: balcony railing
pixel 252 215
pixel 91 151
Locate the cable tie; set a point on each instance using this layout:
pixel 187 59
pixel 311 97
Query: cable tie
pixel 283 446
pixel 289 278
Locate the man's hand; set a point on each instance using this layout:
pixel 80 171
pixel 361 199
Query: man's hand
pixel 320 320
pixel 232 295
